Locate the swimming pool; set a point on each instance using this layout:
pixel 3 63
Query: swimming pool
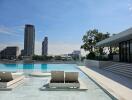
pixel 29 90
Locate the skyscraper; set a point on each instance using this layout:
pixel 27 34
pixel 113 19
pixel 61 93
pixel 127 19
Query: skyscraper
pixel 45 46
pixel 29 40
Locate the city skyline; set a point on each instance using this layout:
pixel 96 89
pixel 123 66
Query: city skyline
pixel 63 22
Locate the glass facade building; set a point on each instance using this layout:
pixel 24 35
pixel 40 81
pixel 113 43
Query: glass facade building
pixel 123 40
pixel 125 51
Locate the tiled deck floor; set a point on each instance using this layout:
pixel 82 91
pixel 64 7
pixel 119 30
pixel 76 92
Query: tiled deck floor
pixel 29 90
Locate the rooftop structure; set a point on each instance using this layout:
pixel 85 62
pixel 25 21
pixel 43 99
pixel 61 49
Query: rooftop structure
pixel 116 39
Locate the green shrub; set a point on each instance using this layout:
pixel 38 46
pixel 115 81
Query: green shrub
pixel 57 58
pixel 44 58
pixel 91 55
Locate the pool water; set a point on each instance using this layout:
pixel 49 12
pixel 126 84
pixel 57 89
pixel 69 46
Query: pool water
pixel 37 67
pixel 29 68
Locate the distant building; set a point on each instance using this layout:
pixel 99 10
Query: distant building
pixel 65 57
pixel 75 54
pixel 29 40
pixel 45 46
pixel 22 52
pixel 9 53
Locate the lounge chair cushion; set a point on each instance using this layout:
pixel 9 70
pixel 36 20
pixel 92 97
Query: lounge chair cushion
pixel 71 80
pixel 5 77
pixel 57 76
pixel 16 78
pixel 71 77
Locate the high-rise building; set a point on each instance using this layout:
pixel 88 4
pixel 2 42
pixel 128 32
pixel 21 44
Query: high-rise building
pixel 45 46
pixel 10 53
pixel 29 40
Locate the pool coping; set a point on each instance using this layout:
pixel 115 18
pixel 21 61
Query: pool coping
pixel 99 85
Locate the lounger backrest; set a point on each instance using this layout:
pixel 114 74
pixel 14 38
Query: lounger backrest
pixel 5 76
pixel 57 75
pixel 71 76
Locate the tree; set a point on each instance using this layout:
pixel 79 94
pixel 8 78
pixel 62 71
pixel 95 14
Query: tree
pixel 99 37
pixel 91 38
pixel 58 58
pixel 42 58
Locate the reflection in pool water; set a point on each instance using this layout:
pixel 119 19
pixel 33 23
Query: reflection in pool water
pixel 44 66
pixel 37 67
pixel 29 68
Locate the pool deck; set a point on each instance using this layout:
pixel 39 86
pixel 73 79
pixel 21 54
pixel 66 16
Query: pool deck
pixel 30 90
pixel 116 89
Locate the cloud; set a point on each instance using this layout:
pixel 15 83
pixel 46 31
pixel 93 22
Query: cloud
pixel 57 48
pixel 9 30
pixel 2 46
pixel 130 6
pixel 63 48
pixel 53 48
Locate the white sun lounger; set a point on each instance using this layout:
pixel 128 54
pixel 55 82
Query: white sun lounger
pixel 7 79
pixel 71 79
pixel 57 77
pixel 59 81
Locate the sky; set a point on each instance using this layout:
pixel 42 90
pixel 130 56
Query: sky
pixel 63 21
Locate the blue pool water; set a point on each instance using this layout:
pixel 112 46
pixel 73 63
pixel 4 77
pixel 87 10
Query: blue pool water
pixel 37 67
pixel 29 68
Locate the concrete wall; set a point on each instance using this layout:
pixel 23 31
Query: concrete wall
pixel 98 64
pixel 91 63
pixel 116 58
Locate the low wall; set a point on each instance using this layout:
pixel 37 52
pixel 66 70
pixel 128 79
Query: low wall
pixel 98 64
pixel 115 57
pixel 91 63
